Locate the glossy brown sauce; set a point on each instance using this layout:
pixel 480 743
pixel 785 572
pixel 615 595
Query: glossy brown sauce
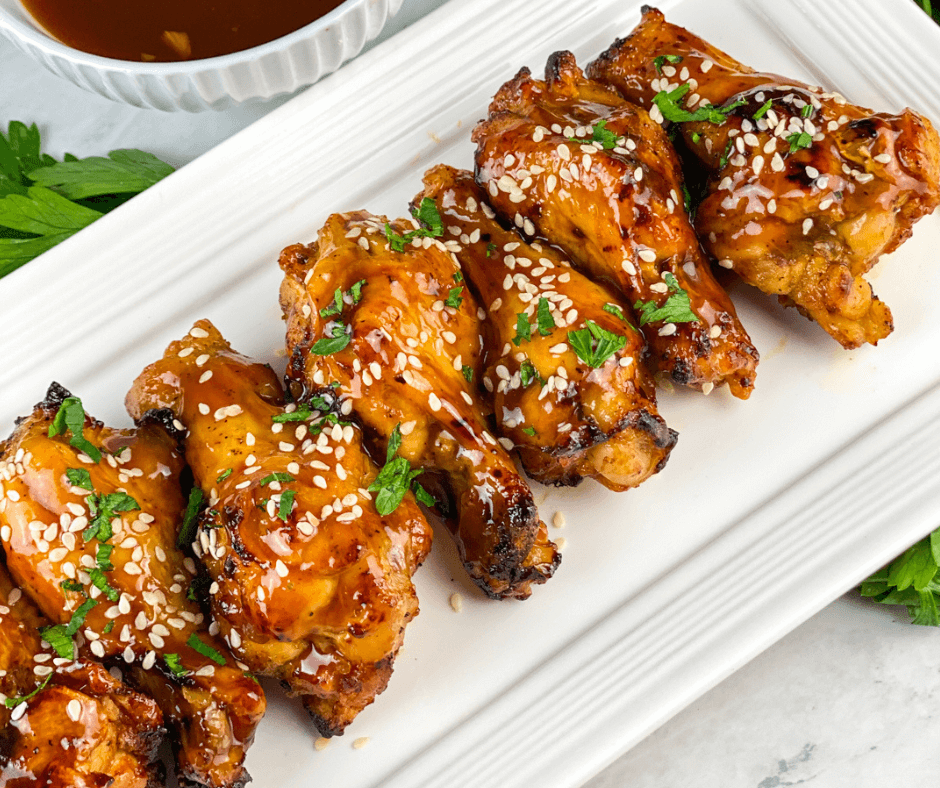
pixel 167 30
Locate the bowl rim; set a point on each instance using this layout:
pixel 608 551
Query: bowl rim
pixel 35 36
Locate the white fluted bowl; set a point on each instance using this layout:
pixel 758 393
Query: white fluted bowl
pixel 273 69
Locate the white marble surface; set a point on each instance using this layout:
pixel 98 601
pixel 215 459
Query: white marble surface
pixel 848 699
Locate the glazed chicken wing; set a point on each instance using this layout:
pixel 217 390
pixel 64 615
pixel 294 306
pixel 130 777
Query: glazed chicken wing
pixel 569 415
pixel 67 724
pixel 805 191
pixel 567 159
pixel 311 586
pixel 400 334
pixel 90 527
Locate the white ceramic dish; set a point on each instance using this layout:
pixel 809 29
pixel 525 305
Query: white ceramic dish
pixel 273 69
pixel 768 510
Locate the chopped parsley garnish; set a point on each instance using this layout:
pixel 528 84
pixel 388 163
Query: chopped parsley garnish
pixel 454 299
pixel 431 226
pixel 763 110
pixel 329 345
pixel 799 140
pixel 79 477
pixel 528 373
pixel 530 431
pixel 490 248
pixel 467 373
pixel 173 663
pixel 660 59
pixel 616 311
pixel 599 133
pixel 668 104
pixel 807 110
pixel 223 476
pixel 108 627
pixel 286 504
pixel 726 155
pixel 687 202
pixel 59 636
pixel 103 509
pixel 394 479
pixel 101 583
pixel 207 651
pixel 103 557
pixel 276 477
pixel 523 329
pixel 188 528
pixel 594 345
pixel 676 309
pixel 71 417
pixel 303 412
pixel 423 495
pixel 458 277
pixel 72 585
pixel 12 703
pixel 543 317
pixel 336 307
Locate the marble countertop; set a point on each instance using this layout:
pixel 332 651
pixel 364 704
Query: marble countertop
pixel 847 699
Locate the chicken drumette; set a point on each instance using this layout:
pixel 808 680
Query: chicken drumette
pixel 569 160
pixel 67 724
pixel 577 402
pixel 89 527
pixel 311 585
pixel 383 312
pixel 805 191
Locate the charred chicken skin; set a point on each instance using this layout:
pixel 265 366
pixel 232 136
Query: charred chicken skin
pixel 410 339
pixel 89 527
pixel 310 585
pixel 805 191
pixel 569 418
pixel 567 159
pixel 67 723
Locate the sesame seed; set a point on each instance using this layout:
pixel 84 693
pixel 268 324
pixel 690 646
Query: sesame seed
pixel 668 330
pixel 646 255
pixel 361 742
pixel 203 408
pixel 74 710
pixel 771 205
pixel 456 602
pixel 807 226
pixel 560 542
pixel 883 158
pixel 186 351
pixel 707 388
pixel 559 520
pixel 714 332
pixel 726 263
pixel 205 376
pixel 321 744
pixel 434 401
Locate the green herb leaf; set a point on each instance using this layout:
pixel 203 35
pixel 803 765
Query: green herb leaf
pixel 12 703
pixel 286 504
pixel 71 417
pixel 123 172
pixel 799 140
pixel 108 627
pixel 328 346
pixel 668 103
pixel 394 479
pixel 763 110
pixel 276 477
pixel 806 111
pixel 223 476
pixel 595 345
pixel 490 248
pixel 334 308
pixel 207 651
pixel 173 663
pixel 396 241
pixel 530 431
pixel 394 443
pixel 79 477
pixel 454 298
pixel 600 133
pixel 303 411
pixel 467 373
pixel 59 636
pixel 458 277
pixel 72 585
pixel 103 557
pixel 676 309
pixel 101 583
pixel 43 212
pixel 543 317
pixel 660 59
pixel 188 528
pixel 431 226
pixel 523 329
pixel 528 373
pixel 356 291
pixel 103 509
pixel 615 310
pixel 423 495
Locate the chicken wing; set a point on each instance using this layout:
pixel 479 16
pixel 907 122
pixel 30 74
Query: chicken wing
pixel 311 586
pixel 570 411
pixel 567 159
pixel 805 191
pixel 89 528
pixel 401 335
pixel 67 724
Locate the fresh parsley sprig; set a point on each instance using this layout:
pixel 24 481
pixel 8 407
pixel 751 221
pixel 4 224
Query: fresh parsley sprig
pixel 103 509
pixel 668 103
pixel 394 479
pixel 676 309
pixel 912 579
pixel 599 133
pixel 71 418
pixel 337 341
pixel 44 201
pixel 432 226
pixel 60 636
pixel 594 345
pixel 659 60
pixel 188 528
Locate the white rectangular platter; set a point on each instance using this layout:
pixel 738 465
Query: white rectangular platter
pixel 768 510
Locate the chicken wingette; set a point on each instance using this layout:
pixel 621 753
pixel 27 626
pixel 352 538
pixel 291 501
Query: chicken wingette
pixel 805 191
pixel 568 160
pixel 310 584
pixel 89 528
pixel 67 723
pixel 380 309
pixel 578 402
